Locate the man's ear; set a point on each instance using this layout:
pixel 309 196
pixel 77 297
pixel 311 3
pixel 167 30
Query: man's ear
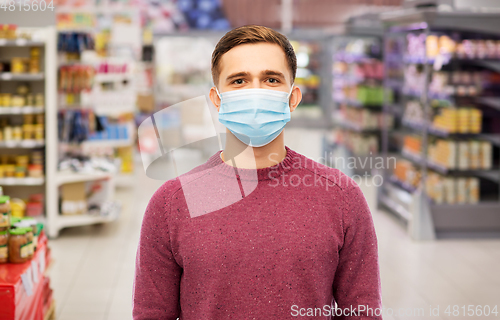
pixel 214 98
pixel 295 98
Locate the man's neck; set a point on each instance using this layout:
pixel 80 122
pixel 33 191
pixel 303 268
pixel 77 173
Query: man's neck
pixel 239 155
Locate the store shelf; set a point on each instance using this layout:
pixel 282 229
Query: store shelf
pixel 403 185
pixel 352 58
pixel 21 110
pixel 22 181
pixel 108 143
pixel 395 207
pixel 414 125
pixel 114 111
pixel 65 221
pixel 353 126
pixel 433 220
pixel 357 104
pixel 417 60
pixel 20 43
pixel 493 138
pixel 21 76
pixel 22 144
pixel 489 64
pixel 493 102
pixel 432 95
pixel 396 84
pixel 112 77
pixel 312 123
pixel 473 217
pixel 71 177
pixel 421 126
pixel 420 161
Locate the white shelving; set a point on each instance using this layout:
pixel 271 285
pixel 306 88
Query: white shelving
pixel 112 77
pixel 21 110
pixel 65 221
pixel 21 76
pixel 22 144
pixel 47 42
pixel 21 43
pixel 115 143
pixel 22 181
pixel 71 177
pixel 113 111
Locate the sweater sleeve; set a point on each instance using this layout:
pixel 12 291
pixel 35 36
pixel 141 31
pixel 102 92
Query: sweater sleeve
pixel 356 285
pixel 156 288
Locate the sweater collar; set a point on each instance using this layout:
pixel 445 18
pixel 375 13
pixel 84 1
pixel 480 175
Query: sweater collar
pixel 288 163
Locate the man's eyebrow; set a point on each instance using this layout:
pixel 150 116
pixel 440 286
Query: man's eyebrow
pixel 237 75
pixel 273 73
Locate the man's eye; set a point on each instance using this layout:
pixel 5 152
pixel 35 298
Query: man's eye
pixel 238 81
pixel 272 80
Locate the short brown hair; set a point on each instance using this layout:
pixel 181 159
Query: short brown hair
pixel 252 34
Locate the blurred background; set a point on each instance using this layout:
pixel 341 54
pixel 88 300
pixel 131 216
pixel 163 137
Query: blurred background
pixel 401 95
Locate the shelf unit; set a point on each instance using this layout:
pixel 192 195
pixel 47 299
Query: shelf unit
pixel 43 82
pixel 424 218
pixel 347 77
pixel 109 179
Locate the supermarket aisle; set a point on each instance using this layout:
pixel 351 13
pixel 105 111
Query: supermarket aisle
pixel 93 272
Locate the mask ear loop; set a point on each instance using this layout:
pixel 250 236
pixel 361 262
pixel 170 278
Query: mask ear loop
pixel 290 93
pixel 218 93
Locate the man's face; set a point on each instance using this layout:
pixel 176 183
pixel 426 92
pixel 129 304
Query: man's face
pixel 256 65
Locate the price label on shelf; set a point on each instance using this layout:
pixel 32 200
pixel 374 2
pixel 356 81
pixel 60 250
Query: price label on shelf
pixel 27 280
pixel 41 262
pixel 34 272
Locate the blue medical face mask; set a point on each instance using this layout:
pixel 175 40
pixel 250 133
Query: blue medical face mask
pixel 255 116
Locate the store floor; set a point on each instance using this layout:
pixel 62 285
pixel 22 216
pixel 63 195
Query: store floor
pixel 93 267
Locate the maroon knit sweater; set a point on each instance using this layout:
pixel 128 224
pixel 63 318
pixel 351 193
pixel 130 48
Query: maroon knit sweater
pixel 282 242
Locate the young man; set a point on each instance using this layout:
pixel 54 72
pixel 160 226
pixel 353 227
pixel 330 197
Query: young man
pixel 300 238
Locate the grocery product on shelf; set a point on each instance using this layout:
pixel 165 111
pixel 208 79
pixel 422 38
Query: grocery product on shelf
pixel 12 166
pixel 407 173
pixel 8 31
pixel 359 144
pixel 4 212
pixel 365 119
pixel 358 93
pixel 18 206
pixel 19 249
pixel 434 45
pixel 22 65
pixel 75 78
pixel 308 63
pixel 126 156
pixel 23 97
pixel 71 44
pixel 439 188
pixel 451 154
pixel 4 246
pixel 19 235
